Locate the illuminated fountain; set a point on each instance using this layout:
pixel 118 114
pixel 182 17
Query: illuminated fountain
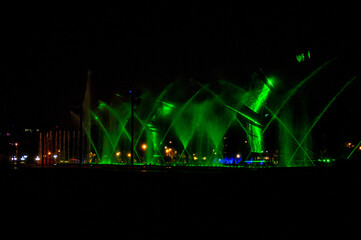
pixel 218 124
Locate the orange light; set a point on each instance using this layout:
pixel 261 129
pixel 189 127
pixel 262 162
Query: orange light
pixel 118 154
pixel 49 153
pixel 144 146
pixel 129 154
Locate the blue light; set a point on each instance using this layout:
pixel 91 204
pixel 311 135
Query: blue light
pixel 229 161
pixel 250 161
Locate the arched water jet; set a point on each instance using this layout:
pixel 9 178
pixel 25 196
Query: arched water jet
pixel 179 114
pixel 152 142
pixel 197 124
pixel 121 123
pixel 320 116
pixel 151 131
pixel 104 157
pixel 293 91
pixel 254 128
pixel 248 118
pixel 289 132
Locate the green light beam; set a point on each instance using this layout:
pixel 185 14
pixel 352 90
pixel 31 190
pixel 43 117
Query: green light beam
pixel 103 105
pixel 320 115
pixel 103 128
pixel 116 114
pixel 151 113
pixel 255 139
pixel 289 132
pixel 245 116
pixel 294 90
pixel 105 132
pixel 354 150
pixel 256 105
pixel 91 142
pixel 181 111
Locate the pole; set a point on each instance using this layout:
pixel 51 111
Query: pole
pixel 131 130
pixel 81 135
pixel 42 150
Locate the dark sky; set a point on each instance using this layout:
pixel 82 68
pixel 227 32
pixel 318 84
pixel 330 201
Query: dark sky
pixel 48 48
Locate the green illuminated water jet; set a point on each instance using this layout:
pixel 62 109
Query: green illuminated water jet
pixel 353 150
pixel 117 128
pixel 320 116
pixel 213 124
pixel 293 91
pixel 108 144
pixel 255 132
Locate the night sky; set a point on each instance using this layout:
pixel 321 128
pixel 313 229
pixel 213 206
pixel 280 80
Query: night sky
pixel 47 49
